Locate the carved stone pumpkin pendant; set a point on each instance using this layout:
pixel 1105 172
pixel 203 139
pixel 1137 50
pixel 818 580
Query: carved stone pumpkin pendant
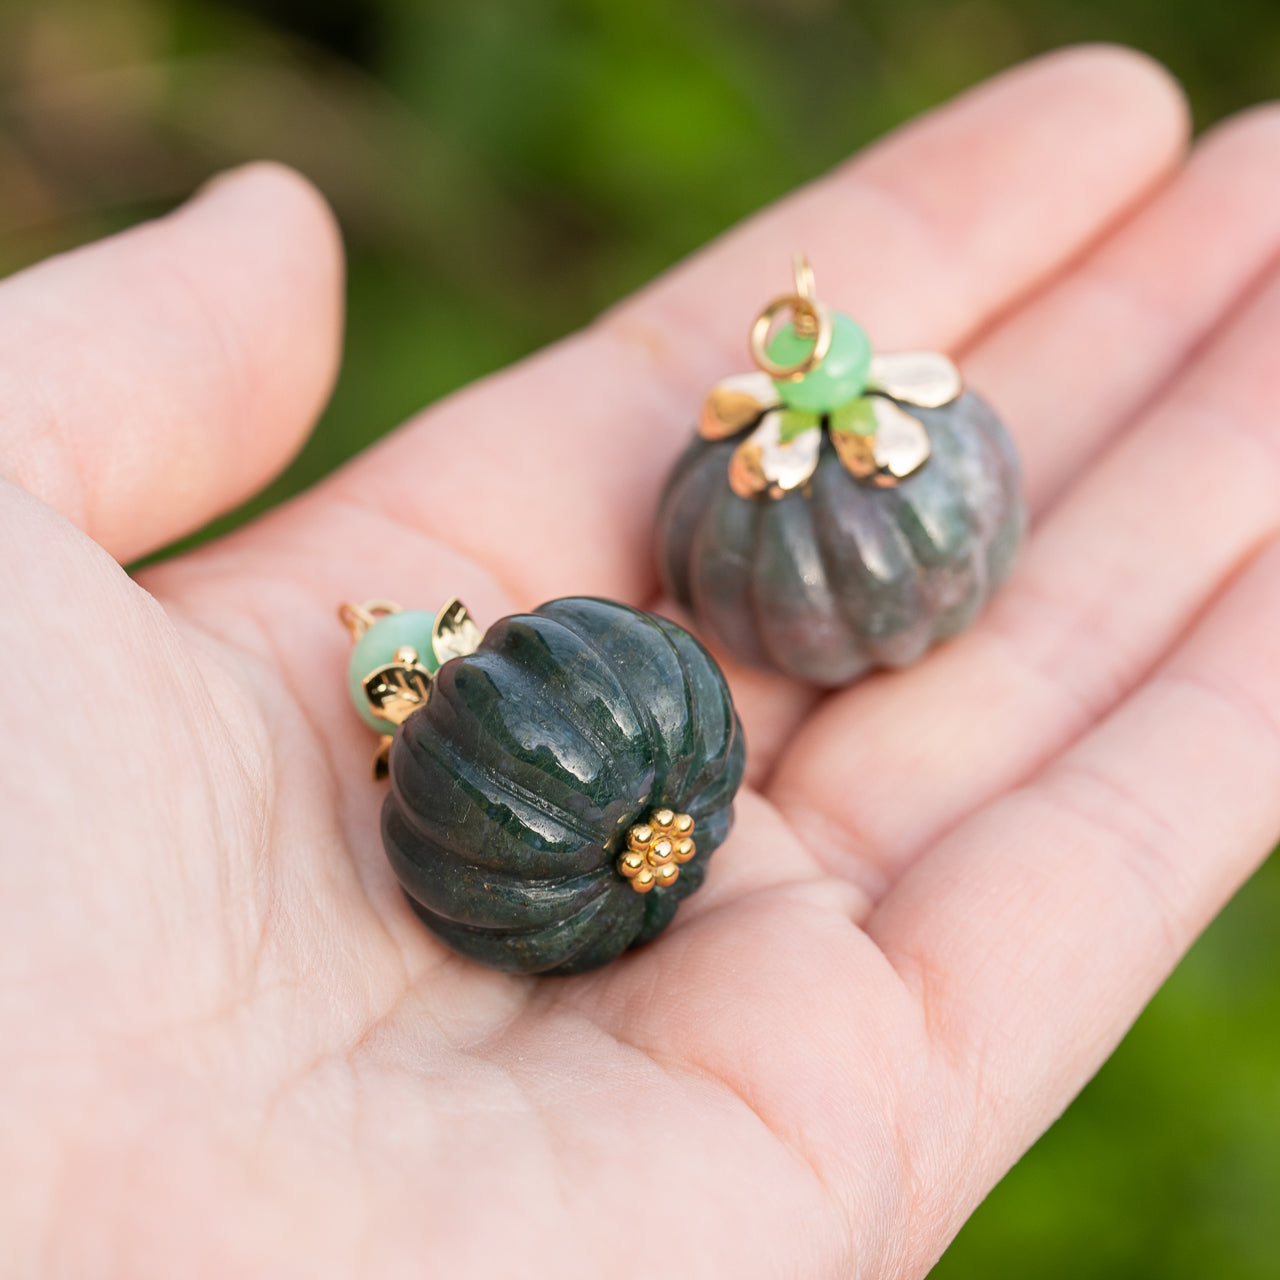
pixel 557 786
pixel 838 510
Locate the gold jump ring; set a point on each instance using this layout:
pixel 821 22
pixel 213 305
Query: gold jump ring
pixel 807 313
pixel 358 618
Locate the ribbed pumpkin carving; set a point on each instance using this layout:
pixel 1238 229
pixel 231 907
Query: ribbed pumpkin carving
pixel 829 582
pixel 513 788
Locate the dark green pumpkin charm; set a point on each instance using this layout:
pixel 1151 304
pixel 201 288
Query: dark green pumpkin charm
pixel 556 788
pixel 839 510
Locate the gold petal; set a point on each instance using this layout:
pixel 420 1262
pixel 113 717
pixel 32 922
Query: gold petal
pixel 926 379
pixel 901 443
pixel 735 404
pixel 899 447
pixel 382 759
pixel 396 691
pixel 857 453
pixel 455 633
pixel 763 465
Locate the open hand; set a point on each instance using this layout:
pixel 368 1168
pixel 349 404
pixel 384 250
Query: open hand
pixel 229 1049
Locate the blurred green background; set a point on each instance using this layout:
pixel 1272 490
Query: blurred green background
pixel 503 170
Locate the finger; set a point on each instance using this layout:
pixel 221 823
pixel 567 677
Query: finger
pixel 1129 315
pixel 549 474
pixel 1118 569
pixel 153 380
pixel 1081 360
pixel 116 766
pixel 1035 932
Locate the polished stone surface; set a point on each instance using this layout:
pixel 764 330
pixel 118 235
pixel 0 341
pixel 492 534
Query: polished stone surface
pixel 830 582
pixel 513 788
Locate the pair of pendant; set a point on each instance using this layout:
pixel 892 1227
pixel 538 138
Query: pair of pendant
pixel 557 785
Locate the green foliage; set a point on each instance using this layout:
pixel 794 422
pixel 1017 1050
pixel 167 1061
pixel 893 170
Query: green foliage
pixel 503 170
pixel 1168 1165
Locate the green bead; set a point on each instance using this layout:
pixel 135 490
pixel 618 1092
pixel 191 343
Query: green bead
pixel 842 375
pixel 377 648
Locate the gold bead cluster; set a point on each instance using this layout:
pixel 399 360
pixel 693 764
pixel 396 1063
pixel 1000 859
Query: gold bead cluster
pixel 656 849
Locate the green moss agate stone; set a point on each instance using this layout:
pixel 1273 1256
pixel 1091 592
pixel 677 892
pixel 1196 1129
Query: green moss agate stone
pixel 512 789
pixel 842 577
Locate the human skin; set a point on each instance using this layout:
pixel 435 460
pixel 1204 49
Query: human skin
pixel 230 1050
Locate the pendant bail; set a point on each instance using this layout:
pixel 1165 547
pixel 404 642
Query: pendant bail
pixel 809 318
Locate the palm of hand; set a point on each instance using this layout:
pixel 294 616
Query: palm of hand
pixel 948 895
